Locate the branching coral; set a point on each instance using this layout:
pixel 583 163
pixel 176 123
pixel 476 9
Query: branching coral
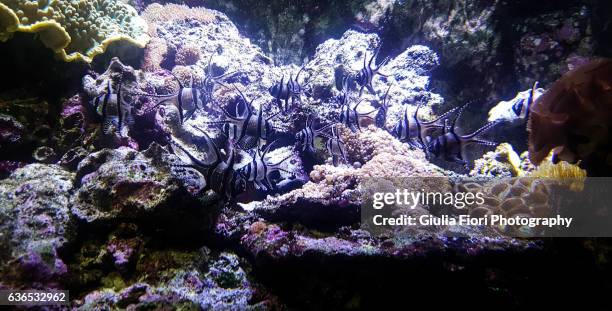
pixel 74 30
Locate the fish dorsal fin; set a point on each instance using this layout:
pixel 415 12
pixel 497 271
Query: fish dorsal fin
pixel 267 149
pixel 177 80
pixel 120 84
pixel 211 143
pixel 191 158
pixel 483 129
pixel 357 105
pixel 532 93
pixel 385 101
pixel 299 72
pixel 208 66
pixel 272 116
pixel 441 117
pixel 373 57
pixel 454 123
pixel 382 64
pixel 249 108
pixel 416 112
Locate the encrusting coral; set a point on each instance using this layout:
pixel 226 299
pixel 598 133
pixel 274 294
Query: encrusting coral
pixel 74 30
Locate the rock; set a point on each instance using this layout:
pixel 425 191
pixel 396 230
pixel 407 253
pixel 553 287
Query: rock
pixel 407 75
pixel 11 130
pixel 184 280
pixel 144 187
pixel 35 225
pixel 25 124
pixel 7 167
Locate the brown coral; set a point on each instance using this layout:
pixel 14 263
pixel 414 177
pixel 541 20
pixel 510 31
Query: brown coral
pixel 573 119
pixel 187 55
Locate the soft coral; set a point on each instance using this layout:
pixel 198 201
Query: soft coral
pixel 574 117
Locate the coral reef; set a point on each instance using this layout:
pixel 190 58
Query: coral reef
pixel 74 30
pixel 193 190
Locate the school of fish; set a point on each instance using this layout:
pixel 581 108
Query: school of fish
pixel 248 132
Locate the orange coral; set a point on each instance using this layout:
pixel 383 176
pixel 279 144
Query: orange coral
pixel 573 119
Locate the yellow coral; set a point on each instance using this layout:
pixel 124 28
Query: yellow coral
pixel 76 29
pixel 495 163
pixel 563 171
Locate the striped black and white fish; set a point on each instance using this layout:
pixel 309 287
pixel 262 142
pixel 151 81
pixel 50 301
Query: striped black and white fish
pixel 116 113
pixel 250 128
pixel 218 171
pixel 287 91
pixel 351 117
pixel 416 132
pixel 522 106
pixel 381 116
pixel 367 73
pixel 335 147
pixel 260 170
pixel 452 147
pixel 211 80
pixel 306 137
pixel 187 99
pixel 344 95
